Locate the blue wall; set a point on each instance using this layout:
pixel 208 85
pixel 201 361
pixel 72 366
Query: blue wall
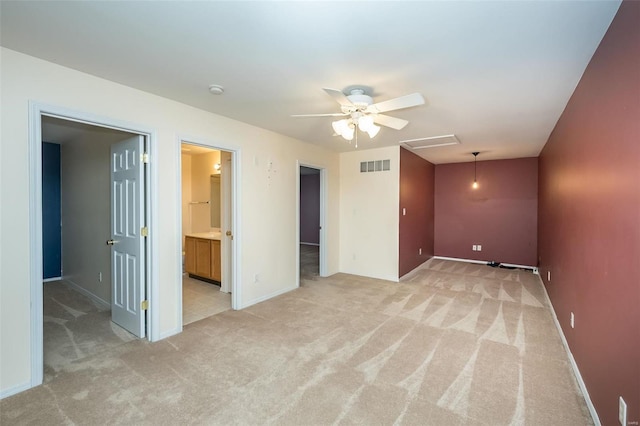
pixel 51 212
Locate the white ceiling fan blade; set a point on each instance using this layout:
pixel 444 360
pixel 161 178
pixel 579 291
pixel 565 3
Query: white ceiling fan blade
pixel 338 96
pixel 393 122
pixel 406 101
pixel 333 114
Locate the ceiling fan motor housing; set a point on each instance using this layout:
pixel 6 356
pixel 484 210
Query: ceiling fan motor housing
pixel 359 99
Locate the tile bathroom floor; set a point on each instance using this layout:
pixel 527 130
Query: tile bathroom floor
pixel 201 299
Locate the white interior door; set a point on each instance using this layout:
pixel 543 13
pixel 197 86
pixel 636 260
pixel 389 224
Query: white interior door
pixel 127 242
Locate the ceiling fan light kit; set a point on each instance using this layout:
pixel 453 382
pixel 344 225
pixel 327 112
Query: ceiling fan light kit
pixel 364 115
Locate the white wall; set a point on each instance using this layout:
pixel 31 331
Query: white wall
pixel 86 207
pixel 267 202
pixel 369 217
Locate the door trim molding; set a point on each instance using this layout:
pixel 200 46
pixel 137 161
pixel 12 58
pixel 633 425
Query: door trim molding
pixel 236 223
pixel 36 111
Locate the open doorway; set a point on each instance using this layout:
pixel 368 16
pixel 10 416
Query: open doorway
pixel 78 300
pixel 309 223
pixel 145 282
pixel 206 231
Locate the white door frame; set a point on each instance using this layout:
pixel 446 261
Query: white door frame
pixel 236 228
pixel 36 112
pixel 323 218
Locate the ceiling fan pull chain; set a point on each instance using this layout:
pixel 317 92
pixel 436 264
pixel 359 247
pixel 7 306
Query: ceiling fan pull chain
pixel 356 134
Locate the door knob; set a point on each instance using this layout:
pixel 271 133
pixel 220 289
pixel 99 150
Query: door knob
pixel 110 242
pixel 229 234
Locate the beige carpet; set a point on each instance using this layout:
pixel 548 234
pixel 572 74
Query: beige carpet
pixel 309 261
pixel 75 327
pixel 456 344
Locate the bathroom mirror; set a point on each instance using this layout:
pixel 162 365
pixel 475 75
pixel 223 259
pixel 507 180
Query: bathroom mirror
pixel 214 205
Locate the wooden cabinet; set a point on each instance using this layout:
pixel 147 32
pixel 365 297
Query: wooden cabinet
pixel 202 258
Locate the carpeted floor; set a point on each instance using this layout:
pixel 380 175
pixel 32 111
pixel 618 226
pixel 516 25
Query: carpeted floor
pixel 456 343
pixel 75 327
pixel 309 261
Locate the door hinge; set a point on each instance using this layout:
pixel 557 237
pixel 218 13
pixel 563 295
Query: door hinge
pixel 144 231
pixel 145 158
pixel 144 305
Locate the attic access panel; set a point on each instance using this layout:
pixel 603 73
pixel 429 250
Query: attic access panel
pixel 431 142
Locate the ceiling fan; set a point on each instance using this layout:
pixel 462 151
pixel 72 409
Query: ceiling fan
pixel 363 114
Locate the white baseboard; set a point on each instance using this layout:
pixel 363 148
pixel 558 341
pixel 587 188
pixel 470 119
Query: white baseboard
pixel 515 265
pixel 15 390
pixel 457 259
pixel 484 262
pixel 103 303
pixel 169 333
pixel 267 297
pixel 572 361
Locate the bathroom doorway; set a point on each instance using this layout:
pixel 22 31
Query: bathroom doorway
pixel 206 235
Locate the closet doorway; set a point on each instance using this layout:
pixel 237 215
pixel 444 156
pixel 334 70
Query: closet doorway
pixel 311 219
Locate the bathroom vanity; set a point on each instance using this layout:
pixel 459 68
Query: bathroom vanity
pixel 202 256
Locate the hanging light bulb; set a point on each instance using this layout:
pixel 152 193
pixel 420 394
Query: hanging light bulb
pixel 340 126
pixel 475 168
pixel 365 123
pixel 348 133
pixel 373 131
pixel 348 127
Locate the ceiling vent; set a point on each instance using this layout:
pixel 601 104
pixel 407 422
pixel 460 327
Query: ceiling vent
pixel 431 142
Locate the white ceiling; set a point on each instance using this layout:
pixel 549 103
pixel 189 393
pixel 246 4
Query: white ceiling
pixel 56 130
pixel 496 74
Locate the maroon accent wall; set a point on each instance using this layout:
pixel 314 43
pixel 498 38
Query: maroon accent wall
pixel 416 197
pixel 310 208
pixel 589 217
pixel 500 215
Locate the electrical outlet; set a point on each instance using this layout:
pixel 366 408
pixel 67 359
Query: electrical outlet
pixel 474 247
pixel 479 247
pixel 573 320
pixel 100 276
pixel 549 276
pixel 420 251
pixel 404 211
pixel 256 278
pixel 622 412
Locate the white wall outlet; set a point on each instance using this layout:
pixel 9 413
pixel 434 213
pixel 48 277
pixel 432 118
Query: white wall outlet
pixel 479 247
pixel 420 251
pixel 256 278
pixel 100 276
pixel 474 247
pixel 404 211
pixel 573 320
pixel 622 412
pixel 549 276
